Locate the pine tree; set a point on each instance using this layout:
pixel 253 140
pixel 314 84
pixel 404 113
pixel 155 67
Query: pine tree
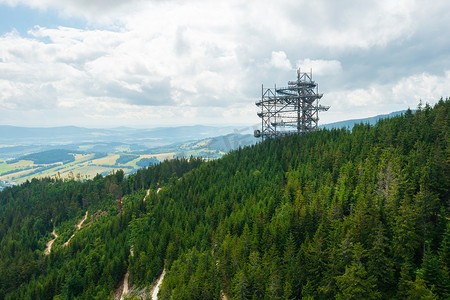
pixel 240 286
pixel 355 283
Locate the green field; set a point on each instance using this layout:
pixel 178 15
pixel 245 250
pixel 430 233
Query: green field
pixel 87 160
pixel 83 167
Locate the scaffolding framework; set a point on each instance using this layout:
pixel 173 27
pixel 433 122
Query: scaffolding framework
pixel 291 109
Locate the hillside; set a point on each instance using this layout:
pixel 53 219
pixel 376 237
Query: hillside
pixel 86 160
pixel 371 120
pixel 100 151
pixel 152 137
pixel 360 214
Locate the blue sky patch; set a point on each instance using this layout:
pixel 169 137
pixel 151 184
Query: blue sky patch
pixel 23 19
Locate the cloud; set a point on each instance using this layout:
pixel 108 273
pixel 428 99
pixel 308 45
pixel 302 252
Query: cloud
pixel 22 96
pixel 190 59
pixel 349 24
pixel 320 66
pixel 279 60
pixel 98 11
pixel 181 45
pixel 384 98
pixel 425 87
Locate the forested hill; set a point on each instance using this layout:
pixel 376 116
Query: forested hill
pixel 360 214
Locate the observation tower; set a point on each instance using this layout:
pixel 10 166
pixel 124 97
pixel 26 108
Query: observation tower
pixel 291 109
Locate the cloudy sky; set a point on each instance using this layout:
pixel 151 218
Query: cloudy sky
pixel 107 63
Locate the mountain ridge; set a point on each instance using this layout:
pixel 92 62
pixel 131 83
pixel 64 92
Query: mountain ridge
pixel 369 120
pixel 19 132
pixel 347 214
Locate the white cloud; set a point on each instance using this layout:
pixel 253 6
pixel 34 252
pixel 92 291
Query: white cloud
pixel 384 98
pixel 320 66
pixel 279 60
pixel 425 87
pixel 206 60
pixel 341 25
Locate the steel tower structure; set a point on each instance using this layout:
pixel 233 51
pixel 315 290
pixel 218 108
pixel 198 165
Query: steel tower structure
pixel 291 109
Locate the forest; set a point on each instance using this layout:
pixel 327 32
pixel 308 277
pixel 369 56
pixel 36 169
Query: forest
pixel 333 214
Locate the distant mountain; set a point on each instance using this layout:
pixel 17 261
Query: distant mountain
pixel 13 132
pixel 13 135
pixel 351 123
pixel 90 158
pixel 166 135
pixel 19 141
pixel 208 148
pixel 232 141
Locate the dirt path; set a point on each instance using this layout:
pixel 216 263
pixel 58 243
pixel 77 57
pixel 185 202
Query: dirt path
pixel 123 289
pixel 50 243
pixel 78 228
pixel 148 193
pixel 82 221
pixel 444 217
pixel 118 292
pixel 155 289
pixel 125 286
pixel 223 296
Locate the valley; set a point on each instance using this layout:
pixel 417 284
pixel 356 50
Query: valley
pixel 82 153
pixel 81 161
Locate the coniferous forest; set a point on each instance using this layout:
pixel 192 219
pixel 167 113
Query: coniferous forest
pixel 344 214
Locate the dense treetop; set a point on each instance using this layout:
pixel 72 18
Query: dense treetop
pixel 343 214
